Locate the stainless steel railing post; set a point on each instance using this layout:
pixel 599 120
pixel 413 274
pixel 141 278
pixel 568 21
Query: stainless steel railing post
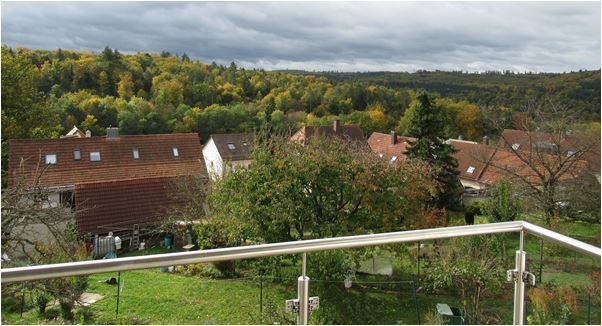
pixel 303 294
pixel 519 283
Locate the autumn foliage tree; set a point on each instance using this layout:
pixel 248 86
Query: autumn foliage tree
pixel 325 189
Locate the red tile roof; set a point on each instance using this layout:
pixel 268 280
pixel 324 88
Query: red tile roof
pixel 526 140
pixel 382 144
pixel 472 158
pixel 349 133
pixel 156 158
pixel 113 205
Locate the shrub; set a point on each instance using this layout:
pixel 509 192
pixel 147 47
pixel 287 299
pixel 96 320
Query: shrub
pixel 552 305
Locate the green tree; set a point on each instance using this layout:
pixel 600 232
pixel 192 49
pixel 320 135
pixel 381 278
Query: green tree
pixel 502 204
pixel 430 147
pixel 325 189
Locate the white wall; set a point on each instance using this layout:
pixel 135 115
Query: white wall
pixel 236 165
pixel 213 160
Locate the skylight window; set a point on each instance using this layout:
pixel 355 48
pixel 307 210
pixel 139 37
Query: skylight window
pixel 50 158
pixel 393 159
pixel 515 146
pixel 231 146
pixel 135 153
pixel 570 153
pixel 470 169
pixel 175 151
pixel 94 156
pixel 77 154
pixel 380 155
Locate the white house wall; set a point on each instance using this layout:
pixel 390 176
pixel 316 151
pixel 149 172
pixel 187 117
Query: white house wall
pixel 213 161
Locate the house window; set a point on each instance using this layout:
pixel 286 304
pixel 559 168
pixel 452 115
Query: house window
pixel 470 169
pixel 94 156
pixel 50 158
pixel 231 146
pixel 66 199
pixel 515 146
pixel 135 153
pixel 77 154
pixel 175 151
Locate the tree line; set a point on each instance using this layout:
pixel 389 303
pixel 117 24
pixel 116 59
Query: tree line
pixel 46 92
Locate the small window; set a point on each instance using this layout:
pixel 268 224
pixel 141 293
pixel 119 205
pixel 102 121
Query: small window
pixel 231 146
pixel 50 158
pixel 175 151
pixel 135 153
pixel 393 159
pixel 470 169
pixel 94 156
pixel 77 154
pixel 570 153
pixel 515 146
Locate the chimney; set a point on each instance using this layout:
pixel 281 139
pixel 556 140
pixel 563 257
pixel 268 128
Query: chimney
pixel 459 137
pixel 336 125
pixel 88 134
pixel 112 132
pixel 485 140
pixel 393 137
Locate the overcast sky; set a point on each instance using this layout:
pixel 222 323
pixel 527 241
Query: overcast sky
pixel 343 36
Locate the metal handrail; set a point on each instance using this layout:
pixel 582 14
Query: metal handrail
pixel 31 273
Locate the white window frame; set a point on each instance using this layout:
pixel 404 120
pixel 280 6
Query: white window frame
pixel 470 169
pixel 77 154
pixel 175 151
pixel 51 159
pixel 95 156
pixel 136 153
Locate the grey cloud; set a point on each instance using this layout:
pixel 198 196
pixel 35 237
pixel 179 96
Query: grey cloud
pixel 536 36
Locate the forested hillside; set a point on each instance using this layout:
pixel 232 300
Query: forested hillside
pixel 46 93
pixel 578 90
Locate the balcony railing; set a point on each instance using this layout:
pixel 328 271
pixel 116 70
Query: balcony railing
pixel 31 273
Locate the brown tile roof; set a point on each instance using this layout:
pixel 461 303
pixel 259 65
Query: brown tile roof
pixel 527 139
pixel 155 158
pixel 382 144
pixel 349 133
pixel 242 143
pixel 112 205
pixel 472 158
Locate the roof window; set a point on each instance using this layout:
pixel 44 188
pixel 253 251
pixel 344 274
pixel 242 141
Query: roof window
pixel 135 153
pixel 231 146
pixel 175 151
pixel 380 155
pixel 50 159
pixel 470 169
pixel 393 159
pixel 570 153
pixel 77 154
pixel 244 143
pixel 94 156
pixel 515 146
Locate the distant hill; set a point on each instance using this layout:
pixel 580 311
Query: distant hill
pixel 578 90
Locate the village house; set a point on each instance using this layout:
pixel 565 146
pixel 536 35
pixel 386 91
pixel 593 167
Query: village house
pixel 112 183
pixel 350 133
pixel 390 147
pixel 227 152
pixel 586 148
